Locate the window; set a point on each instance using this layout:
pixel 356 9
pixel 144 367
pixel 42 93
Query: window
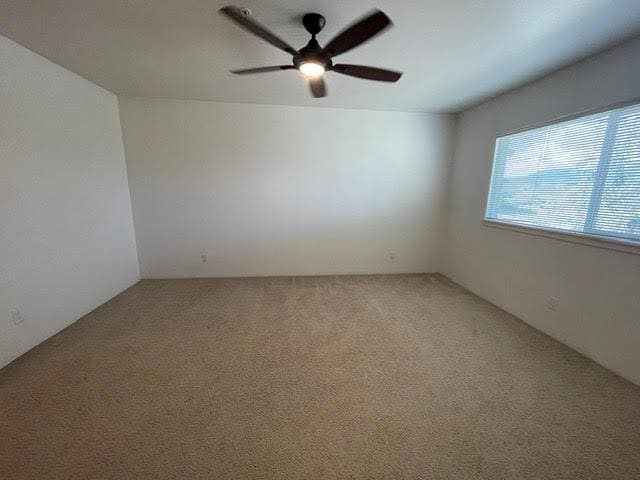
pixel 580 176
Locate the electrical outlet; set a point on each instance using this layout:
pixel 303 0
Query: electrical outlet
pixel 16 317
pixel 204 258
pixel 552 304
pixel 392 255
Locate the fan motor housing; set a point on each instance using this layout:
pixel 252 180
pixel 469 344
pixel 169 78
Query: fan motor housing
pixel 313 53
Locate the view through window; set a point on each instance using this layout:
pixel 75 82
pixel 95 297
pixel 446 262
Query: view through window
pixel 580 176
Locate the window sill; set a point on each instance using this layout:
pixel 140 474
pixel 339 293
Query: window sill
pixel 625 246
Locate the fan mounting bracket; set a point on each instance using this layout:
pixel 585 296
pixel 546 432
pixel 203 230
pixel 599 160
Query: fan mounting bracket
pixel 314 23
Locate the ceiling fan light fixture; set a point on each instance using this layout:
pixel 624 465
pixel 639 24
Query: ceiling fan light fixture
pixel 313 60
pixel 311 69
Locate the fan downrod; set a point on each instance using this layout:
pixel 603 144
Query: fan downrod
pixel 313 23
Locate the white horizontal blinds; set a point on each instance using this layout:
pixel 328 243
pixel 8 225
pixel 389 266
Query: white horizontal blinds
pixel 549 174
pixel 618 211
pixel 582 176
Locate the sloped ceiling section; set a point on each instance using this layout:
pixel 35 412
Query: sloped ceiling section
pixel 454 53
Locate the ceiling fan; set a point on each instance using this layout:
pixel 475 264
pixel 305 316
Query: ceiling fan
pixel 313 60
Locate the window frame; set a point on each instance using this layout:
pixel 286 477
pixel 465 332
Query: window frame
pixel 590 239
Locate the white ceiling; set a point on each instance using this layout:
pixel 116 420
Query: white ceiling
pixel 454 52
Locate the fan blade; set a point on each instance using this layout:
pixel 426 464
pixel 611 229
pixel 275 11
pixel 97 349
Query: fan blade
pixel 358 33
pixel 318 87
pixel 369 73
pixel 254 27
pixel 249 71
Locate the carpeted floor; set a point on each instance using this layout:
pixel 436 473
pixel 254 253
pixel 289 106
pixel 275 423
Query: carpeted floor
pixel 378 377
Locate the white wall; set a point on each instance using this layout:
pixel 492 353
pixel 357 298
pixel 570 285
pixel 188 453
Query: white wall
pixel 274 190
pixel 66 231
pixel 599 290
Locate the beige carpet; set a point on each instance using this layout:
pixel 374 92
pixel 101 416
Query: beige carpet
pixel 379 377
